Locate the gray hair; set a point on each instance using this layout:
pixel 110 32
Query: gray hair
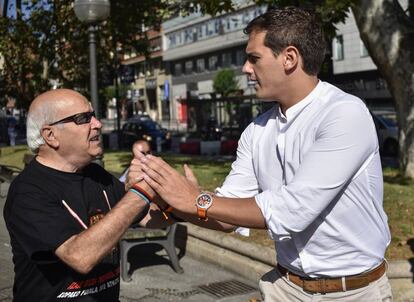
pixel 42 114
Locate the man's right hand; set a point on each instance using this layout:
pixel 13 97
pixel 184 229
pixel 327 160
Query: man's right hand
pixel 134 175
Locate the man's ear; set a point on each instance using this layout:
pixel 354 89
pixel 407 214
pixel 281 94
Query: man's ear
pixel 49 137
pixel 291 58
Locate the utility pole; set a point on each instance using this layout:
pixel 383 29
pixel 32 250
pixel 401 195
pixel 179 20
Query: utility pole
pixel 3 8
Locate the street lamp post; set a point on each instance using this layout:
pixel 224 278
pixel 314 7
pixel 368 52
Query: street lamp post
pixel 92 12
pixel 93 70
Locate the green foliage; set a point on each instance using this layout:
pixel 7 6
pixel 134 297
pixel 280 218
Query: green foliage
pixel 225 82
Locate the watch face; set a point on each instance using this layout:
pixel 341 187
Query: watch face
pixel 204 201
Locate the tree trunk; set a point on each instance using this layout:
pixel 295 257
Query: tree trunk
pixel 388 34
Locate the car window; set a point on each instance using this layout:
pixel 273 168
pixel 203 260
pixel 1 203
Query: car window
pixel 151 125
pixel 389 120
pixel 385 120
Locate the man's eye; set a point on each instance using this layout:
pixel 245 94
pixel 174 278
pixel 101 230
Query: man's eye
pixel 252 59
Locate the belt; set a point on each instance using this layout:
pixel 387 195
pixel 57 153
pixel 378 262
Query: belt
pixel 331 285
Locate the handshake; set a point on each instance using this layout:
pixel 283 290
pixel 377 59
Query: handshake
pixel 165 189
pixel 170 193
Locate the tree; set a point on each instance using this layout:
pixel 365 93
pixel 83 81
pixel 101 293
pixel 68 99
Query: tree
pixel 225 82
pixel 43 40
pixel 388 33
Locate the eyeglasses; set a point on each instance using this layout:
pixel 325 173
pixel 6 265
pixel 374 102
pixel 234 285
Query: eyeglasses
pixel 146 152
pixel 78 118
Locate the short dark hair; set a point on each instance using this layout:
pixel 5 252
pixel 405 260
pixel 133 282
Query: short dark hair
pixel 292 26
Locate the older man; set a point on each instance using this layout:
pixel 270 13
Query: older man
pixel 65 215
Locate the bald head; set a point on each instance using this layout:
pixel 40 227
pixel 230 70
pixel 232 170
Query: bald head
pixel 57 99
pixel 45 109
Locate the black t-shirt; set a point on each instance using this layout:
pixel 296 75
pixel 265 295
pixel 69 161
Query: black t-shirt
pixel 44 208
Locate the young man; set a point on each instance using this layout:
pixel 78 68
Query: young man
pixel 65 215
pixel 308 170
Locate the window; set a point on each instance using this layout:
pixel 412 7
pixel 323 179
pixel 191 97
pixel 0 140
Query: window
pixel 245 18
pixel 188 35
pixel 150 68
pixel 140 70
pixel 217 24
pixel 155 44
pixel 363 51
pixel 200 33
pixel 179 39
pixel 173 41
pixel 210 28
pixel 178 70
pixel 212 63
pixel 338 48
pixel 188 67
pixel 240 57
pixel 201 65
pixel 226 59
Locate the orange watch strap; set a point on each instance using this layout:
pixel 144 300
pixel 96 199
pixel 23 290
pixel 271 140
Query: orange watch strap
pixel 202 214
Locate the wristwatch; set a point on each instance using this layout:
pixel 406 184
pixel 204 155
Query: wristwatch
pixel 203 202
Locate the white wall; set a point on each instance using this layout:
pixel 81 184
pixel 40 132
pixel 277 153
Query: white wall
pixel 352 62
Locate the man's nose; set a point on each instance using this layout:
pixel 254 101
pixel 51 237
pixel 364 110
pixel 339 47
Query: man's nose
pixel 247 68
pixel 95 123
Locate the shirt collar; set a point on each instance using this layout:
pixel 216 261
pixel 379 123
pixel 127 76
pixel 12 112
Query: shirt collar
pixel 293 111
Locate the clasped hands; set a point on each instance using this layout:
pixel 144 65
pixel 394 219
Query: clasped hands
pixel 165 184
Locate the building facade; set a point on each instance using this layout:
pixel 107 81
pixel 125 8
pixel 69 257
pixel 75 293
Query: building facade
pixel 150 87
pixel 196 47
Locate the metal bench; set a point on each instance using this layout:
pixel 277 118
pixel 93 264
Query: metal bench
pixel 138 235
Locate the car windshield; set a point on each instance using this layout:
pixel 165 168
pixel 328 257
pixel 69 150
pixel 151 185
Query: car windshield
pixel 151 125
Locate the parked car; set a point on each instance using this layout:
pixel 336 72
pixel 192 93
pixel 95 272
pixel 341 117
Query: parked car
pixel 143 127
pixel 387 131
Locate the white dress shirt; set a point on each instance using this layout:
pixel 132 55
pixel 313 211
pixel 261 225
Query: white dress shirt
pixel 317 178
